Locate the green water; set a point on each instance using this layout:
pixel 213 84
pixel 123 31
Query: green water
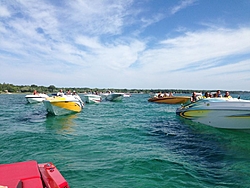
pixel 132 143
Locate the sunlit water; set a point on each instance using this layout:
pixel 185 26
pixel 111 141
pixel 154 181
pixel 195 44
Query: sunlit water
pixel 132 143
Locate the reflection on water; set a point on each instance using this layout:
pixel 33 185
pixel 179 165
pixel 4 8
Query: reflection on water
pixel 62 124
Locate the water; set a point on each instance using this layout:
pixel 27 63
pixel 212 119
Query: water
pixel 132 143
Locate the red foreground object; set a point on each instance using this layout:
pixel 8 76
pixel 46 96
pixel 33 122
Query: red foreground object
pixel 29 174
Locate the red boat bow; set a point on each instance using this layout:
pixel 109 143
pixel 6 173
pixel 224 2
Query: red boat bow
pixel 29 174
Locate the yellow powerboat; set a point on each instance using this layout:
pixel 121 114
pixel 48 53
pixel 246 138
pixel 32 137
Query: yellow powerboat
pixel 62 105
pixel 170 99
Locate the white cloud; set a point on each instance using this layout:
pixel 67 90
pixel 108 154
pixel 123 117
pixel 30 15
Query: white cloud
pixel 97 17
pixel 83 45
pixel 90 42
pixel 197 47
pixel 183 4
pixel 4 12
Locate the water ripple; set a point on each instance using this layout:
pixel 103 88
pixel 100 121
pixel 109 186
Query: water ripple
pixel 132 143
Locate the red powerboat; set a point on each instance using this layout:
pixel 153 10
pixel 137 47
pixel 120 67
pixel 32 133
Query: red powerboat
pixel 30 174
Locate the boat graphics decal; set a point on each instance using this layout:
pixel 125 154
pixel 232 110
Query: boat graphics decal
pixel 73 106
pixel 194 114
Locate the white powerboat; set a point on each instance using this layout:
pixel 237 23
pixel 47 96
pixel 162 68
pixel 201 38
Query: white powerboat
pixel 36 98
pixel 62 105
pixel 126 95
pixel 92 98
pixel 228 113
pixel 113 96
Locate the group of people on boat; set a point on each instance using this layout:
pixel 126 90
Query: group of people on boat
pixel 196 97
pixel 160 95
pixel 35 92
pixel 61 93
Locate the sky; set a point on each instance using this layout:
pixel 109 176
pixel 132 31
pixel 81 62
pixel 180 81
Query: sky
pixel 127 44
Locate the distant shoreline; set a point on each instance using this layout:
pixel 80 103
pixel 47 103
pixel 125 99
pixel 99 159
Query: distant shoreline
pixel 6 88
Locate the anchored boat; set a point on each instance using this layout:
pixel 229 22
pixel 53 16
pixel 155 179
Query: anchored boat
pixel 113 96
pixel 36 98
pixel 170 100
pixel 228 113
pixel 30 174
pixel 62 105
pixel 92 98
pixel 126 95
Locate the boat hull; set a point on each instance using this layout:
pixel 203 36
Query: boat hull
pixel 126 95
pixel 36 98
pixel 62 105
pixel 115 97
pixel 170 100
pixel 219 113
pixel 93 98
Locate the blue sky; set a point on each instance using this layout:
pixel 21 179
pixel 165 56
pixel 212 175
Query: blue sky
pixel 144 44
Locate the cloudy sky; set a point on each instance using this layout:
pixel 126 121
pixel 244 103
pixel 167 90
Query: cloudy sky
pixel 144 44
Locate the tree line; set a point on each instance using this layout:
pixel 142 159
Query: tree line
pixel 6 87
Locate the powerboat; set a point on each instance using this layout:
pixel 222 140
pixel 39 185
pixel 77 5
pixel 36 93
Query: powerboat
pixel 62 105
pixel 92 98
pixel 228 113
pixel 113 96
pixel 36 98
pixel 7 92
pixel 31 174
pixel 126 95
pixel 170 99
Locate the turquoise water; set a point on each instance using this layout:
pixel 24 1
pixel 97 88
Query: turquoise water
pixel 132 143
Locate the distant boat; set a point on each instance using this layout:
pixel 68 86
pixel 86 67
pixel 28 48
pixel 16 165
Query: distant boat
pixel 170 100
pixel 7 92
pixel 126 95
pixel 113 96
pixel 92 98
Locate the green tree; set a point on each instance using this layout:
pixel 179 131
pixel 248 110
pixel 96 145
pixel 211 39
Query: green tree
pixel 51 88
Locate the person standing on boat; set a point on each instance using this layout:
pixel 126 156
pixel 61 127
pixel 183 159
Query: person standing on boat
pixel 68 92
pixel 74 93
pixel 165 94
pixel 35 92
pixel 194 97
pixel 60 93
pixel 160 95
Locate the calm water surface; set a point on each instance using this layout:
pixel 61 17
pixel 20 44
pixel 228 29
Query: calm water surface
pixel 132 143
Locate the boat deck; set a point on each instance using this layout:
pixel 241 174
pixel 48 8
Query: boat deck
pixel 29 174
